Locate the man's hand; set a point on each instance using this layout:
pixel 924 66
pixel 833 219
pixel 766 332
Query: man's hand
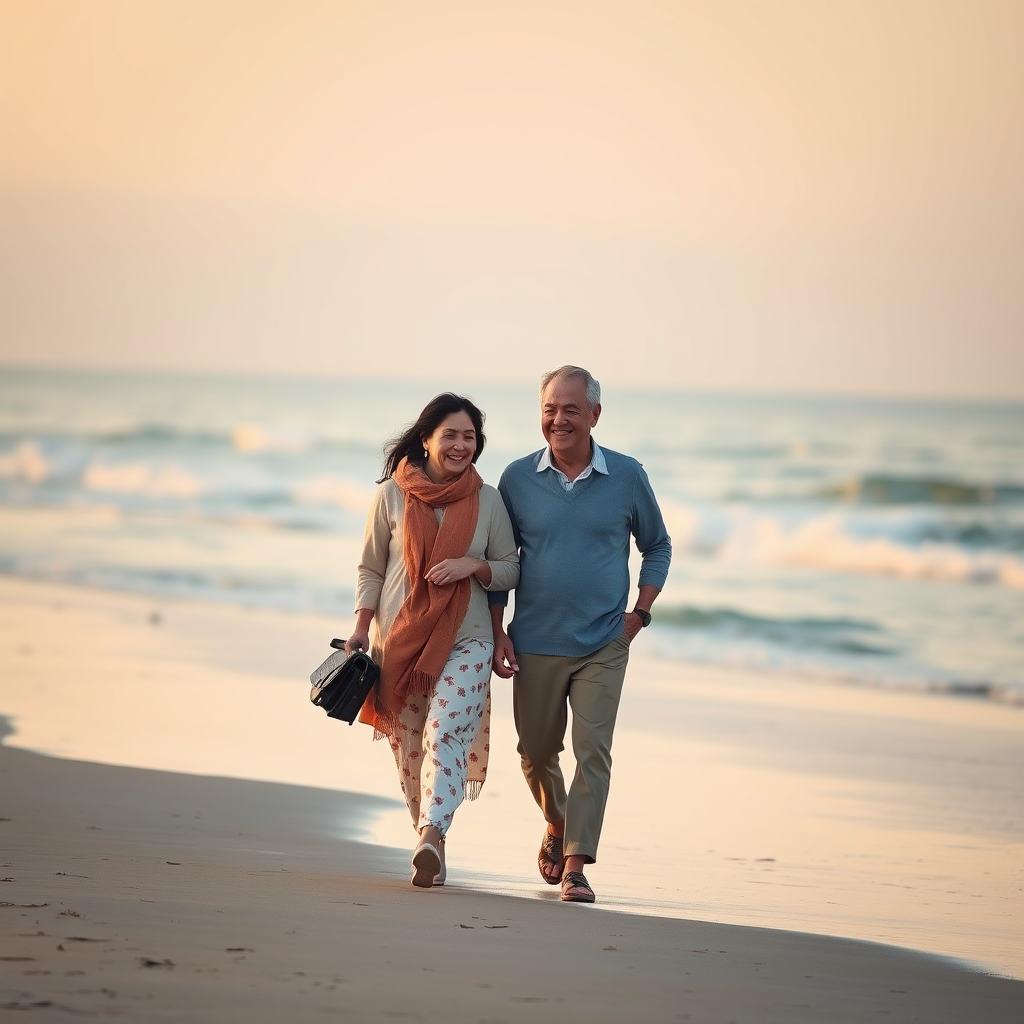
pixel 504 660
pixel 631 625
pixel 631 622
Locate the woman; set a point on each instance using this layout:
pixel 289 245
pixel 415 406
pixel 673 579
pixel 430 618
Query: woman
pixel 437 537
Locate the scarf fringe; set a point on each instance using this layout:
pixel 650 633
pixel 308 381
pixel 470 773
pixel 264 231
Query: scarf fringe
pixel 385 723
pixel 422 682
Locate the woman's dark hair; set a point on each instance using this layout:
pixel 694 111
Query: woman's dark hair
pixel 409 443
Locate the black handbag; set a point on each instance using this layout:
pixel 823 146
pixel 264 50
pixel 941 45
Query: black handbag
pixel 341 683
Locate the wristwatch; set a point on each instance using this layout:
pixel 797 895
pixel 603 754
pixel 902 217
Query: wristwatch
pixel 645 616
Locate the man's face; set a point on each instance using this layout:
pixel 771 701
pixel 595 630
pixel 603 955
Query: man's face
pixel 566 418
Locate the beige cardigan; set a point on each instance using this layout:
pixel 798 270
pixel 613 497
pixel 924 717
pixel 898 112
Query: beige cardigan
pixel 383 584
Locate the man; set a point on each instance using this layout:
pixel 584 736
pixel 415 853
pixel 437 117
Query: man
pixel 574 507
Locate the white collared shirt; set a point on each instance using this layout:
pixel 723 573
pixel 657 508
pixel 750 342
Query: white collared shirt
pixel 597 464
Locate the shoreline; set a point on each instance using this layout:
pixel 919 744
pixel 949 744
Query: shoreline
pixel 159 896
pixel 882 817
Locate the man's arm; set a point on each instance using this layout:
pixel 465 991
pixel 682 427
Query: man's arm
pixel 655 547
pixel 504 661
pixel 633 623
pixel 652 539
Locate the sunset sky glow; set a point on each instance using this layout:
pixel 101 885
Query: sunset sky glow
pixel 804 196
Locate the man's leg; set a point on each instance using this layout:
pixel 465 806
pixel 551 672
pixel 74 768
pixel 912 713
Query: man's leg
pixel 594 694
pixel 539 703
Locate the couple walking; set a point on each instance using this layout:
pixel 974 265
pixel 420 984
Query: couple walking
pixel 442 550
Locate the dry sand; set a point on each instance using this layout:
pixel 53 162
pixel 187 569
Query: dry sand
pixel 808 809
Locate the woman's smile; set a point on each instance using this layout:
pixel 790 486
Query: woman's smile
pixel 451 447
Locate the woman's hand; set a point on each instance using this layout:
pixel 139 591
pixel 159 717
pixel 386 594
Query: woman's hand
pixel 359 638
pixel 451 570
pixel 358 641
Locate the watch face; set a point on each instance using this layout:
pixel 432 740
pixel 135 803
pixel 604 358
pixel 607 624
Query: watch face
pixel 645 617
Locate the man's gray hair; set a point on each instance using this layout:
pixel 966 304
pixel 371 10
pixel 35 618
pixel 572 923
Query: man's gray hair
pixel 570 373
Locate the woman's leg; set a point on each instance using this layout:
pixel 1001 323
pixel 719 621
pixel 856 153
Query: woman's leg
pixel 407 746
pixel 450 726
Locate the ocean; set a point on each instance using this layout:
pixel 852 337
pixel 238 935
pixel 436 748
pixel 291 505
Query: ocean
pixel 868 542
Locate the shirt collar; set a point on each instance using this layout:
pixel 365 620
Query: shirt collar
pixel 598 463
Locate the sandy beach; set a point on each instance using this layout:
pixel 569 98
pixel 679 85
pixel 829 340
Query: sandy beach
pixel 820 863
pixel 152 896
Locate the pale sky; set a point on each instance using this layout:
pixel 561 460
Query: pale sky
pixel 814 196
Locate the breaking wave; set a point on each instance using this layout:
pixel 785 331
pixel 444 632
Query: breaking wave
pixel 910 546
pixel 879 489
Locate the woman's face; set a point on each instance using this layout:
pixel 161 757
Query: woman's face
pixel 451 447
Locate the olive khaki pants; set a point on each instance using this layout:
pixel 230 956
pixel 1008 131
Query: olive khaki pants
pixel 545 687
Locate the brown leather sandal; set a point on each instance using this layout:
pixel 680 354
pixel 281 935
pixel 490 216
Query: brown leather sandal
pixel 551 856
pixel 576 888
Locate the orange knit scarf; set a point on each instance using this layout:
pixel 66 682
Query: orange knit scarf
pixel 424 631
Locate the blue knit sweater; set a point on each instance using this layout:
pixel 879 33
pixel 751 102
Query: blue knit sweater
pixel 574 553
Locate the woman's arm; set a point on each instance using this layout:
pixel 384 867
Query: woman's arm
pixel 360 638
pixel 499 570
pixel 373 562
pixel 502 552
pixel 451 570
pixel 371 572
